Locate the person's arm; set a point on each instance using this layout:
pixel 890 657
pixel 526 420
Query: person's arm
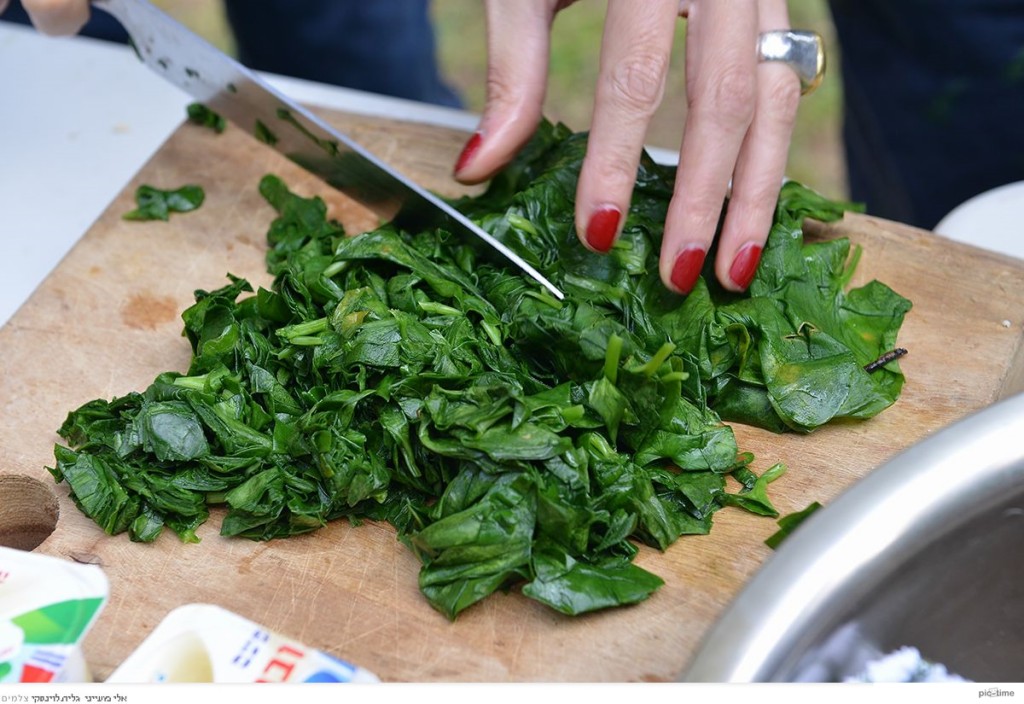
pixel 57 17
pixel 738 124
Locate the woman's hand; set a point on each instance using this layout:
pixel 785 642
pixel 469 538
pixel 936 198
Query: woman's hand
pixel 738 124
pixel 59 17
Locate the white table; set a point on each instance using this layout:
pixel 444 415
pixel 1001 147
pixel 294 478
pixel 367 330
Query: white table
pixel 79 117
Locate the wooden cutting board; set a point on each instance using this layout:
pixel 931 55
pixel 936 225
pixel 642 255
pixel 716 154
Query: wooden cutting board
pixel 107 321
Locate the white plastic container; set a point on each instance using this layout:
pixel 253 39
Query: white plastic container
pixel 47 605
pixel 206 643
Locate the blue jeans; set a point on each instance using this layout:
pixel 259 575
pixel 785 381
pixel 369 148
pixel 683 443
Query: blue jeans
pixel 381 46
pixel 934 102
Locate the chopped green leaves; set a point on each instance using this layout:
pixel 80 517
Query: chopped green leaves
pixel 156 204
pixel 513 440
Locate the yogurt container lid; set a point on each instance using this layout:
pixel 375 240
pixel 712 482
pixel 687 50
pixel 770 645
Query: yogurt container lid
pixel 207 643
pixel 47 605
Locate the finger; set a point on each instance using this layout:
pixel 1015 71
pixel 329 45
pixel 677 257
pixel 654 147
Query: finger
pixel 3 6
pixel 58 17
pixel 761 164
pixel 518 45
pixel 721 66
pixel 635 53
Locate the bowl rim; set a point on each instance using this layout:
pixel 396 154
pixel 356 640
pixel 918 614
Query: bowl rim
pixel 851 545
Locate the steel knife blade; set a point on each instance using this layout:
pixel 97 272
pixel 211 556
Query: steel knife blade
pixel 241 96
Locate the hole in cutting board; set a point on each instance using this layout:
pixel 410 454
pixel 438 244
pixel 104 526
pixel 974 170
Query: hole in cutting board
pixel 28 512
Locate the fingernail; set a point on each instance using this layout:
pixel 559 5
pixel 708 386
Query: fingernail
pixel 602 228
pixel 744 266
pixel 468 151
pixel 687 268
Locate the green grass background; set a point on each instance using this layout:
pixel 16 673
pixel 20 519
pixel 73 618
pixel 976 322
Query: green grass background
pixel 816 153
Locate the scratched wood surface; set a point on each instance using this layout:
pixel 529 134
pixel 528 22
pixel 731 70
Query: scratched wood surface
pixel 107 321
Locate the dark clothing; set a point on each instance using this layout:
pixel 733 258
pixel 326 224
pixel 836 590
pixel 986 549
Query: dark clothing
pixel 381 46
pixel 934 102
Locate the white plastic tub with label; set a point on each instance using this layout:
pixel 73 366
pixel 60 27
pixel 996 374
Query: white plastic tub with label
pixel 47 605
pixel 205 643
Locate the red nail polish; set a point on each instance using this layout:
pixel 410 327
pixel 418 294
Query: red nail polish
pixel 468 151
pixel 602 228
pixel 744 266
pixel 687 268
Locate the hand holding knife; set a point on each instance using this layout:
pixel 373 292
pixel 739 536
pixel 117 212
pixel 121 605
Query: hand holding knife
pixel 242 97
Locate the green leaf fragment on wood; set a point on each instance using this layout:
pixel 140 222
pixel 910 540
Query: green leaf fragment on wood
pixel 157 204
pixel 789 523
pixel 200 114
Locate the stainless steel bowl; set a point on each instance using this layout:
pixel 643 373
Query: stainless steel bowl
pixel 927 551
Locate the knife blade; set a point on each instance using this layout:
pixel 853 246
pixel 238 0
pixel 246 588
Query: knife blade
pixel 241 96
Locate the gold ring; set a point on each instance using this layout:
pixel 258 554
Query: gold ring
pixel 801 50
